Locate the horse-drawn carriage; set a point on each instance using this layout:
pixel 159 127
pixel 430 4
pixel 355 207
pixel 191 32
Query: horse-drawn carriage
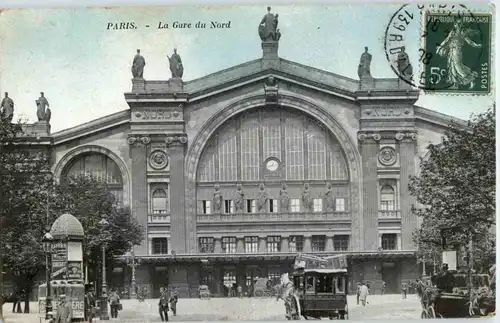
pixel 204 292
pixel 317 289
pixel 453 300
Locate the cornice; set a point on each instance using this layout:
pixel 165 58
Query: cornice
pixel 144 140
pixel 365 136
pixel 437 118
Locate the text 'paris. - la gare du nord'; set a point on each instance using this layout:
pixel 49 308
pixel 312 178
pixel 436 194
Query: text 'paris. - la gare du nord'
pixel 128 25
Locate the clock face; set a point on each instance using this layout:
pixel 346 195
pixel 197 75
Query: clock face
pixel 272 165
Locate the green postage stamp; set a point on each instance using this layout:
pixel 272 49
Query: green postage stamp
pixel 456 56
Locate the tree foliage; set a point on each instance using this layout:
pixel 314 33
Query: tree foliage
pixel 457 187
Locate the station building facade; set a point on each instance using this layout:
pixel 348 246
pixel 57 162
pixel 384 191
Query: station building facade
pixel 232 174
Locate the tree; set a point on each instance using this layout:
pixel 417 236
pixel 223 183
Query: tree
pixel 23 186
pixel 87 198
pixel 457 189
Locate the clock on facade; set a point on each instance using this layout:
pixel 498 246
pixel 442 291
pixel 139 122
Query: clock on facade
pixel 272 165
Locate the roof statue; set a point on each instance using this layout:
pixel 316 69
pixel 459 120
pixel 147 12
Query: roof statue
pixel 268 27
pixel 7 108
pixel 404 66
pixel 364 65
pixel 138 65
pixel 42 113
pixel 176 66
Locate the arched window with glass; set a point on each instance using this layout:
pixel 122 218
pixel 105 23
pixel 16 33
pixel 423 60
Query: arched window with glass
pixel 387 198
pixel 159 201
pixel 100 167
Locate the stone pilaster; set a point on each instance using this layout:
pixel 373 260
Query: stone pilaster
pixel 369 154
pixel 240 245
pixel 329 243
pixel 284 244
pixel 307 244
pixel 150 246
pixel 407 146
pixel 138 155
pixel 180 237
pixel 217 245
pixel 262 244
pixel 398 242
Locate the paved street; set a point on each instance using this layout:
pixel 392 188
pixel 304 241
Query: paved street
pixel 246 309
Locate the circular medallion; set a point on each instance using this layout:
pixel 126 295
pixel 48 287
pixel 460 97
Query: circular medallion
pixel 272 165
pixel 158 159
pixel 387 156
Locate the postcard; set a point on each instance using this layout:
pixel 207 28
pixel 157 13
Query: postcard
pixel 248 162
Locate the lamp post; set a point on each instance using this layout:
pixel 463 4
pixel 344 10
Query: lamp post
pixel 47 247
pixel 133 263
pixel 104 296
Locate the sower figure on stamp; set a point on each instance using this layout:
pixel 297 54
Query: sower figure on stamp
pixel 138 65
pixel 163 304
pixel 451 49
pixel 7 107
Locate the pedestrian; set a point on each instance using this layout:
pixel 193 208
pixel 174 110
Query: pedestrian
pixel 91 310
pixel 114 302
pixel 64 312
pixel 174 298
pixel 358 292
pixel 240 291
pixel 363 294
pixel 163 305
pixel 404 289
pixel 383 287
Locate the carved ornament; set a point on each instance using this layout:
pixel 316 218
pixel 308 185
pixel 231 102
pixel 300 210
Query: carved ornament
pixel 158 159
pixel 179 139
pixel 271 90
pixel 411 135
pixel 387 156
pixel 145 140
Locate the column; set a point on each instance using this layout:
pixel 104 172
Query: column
pixel 169 245
pixel 284 244
pixel 240 245
pixel 150 246
pixel 329 243
pixel 177 198
pixel 399 246
pixel 369 155
pixel 262 244
pixel 138 154
pixel 408 220
pixel 307 244
pixel 380 240
pixel 218 245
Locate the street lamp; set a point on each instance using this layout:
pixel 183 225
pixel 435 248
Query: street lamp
pixel 104 297
pixel 47 248
pixel 133 262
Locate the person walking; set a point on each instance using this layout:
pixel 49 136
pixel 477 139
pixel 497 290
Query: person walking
pixel 114 302
pixel 240 291
pixel 404 289
pixel 174 298
pixel 383 287
pixel 363 294
pixel 358 292
pixel 163 305
pixel 90 300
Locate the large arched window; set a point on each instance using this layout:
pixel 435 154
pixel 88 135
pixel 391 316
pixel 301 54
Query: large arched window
pixel 387 198
pixel 160 201
pixel 100 167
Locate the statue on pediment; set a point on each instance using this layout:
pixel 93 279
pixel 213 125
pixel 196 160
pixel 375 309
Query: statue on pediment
pixel 138 65
pixel 263 197
pixel 364 65
pixel 217 199
pixel 329 198
pixel 306 197
pixel 42 103
pixel 176 66
pixel 284 199
pixel 7 108
pixel 239 202
pixel 404 66
pixel 268 27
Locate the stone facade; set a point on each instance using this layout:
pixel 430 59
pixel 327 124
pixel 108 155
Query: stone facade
pixel 159 143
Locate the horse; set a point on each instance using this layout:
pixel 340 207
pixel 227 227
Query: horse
pixel 286 292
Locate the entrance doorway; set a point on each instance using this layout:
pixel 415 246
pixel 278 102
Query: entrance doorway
pixel 390 275
pixel 251 274
pixel 160 279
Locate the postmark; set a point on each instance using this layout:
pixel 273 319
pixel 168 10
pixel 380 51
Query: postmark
pixel 454 48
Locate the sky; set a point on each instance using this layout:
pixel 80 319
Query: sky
pixel 84 69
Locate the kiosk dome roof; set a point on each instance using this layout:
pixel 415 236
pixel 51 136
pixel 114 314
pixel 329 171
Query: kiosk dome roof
pixel 66 226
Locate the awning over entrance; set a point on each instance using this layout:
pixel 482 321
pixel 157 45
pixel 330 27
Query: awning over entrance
pixel 204 258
